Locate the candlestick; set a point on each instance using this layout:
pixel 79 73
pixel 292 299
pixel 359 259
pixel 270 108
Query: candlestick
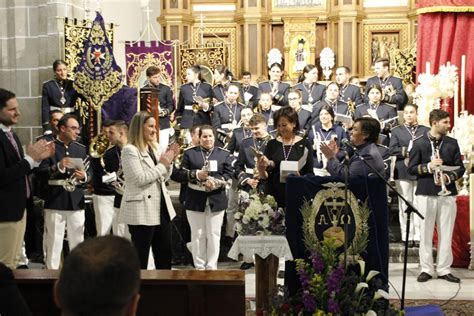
pixel 463 81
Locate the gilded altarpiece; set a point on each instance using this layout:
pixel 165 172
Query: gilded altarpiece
pixel 218 35
pixel 382 40
pixel 299 45
pixel 208 56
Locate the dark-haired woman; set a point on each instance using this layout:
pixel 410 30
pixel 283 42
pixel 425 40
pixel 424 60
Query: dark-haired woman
pixel 311 90
pixel 324 131
pixel 58 94
pixel 206 169
pixel 277 89
pixel 330 99
pixel 223 78
pixel 287 147
pixel 378 110
pixel 364 136
pixel 194 102
pixel 304 116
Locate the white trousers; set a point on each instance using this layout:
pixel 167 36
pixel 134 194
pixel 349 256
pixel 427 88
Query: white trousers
pixel 205 237
pixel 233 204
pixel 442 211
pixel 55 222
pixel 407 188
pixel 164 138
pixel 105 215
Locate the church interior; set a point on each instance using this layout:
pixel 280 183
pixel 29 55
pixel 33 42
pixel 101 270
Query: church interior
pixel 419 38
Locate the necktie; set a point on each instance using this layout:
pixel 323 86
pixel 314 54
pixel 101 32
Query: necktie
pixel 15 145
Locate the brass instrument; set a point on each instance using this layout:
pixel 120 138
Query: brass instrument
pixel 389 90
pixel 438 175
pixel 99 146
pixel 351 107
pixel 198 101
pixel 393 162
pixel 71 182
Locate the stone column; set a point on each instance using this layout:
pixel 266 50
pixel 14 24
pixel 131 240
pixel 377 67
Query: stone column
pixel 30 40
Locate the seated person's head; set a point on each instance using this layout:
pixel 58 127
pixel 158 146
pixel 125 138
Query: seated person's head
pixel 101 276
pixel 366 129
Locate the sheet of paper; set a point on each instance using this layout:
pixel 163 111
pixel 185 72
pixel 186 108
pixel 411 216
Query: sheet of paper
pixel 76 164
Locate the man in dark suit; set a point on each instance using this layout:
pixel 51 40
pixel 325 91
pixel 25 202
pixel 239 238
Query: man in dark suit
pixel 347 91
pixel 393 92
pixel 15 189
pixel 165 99
pixel 249 92
pixel 429 152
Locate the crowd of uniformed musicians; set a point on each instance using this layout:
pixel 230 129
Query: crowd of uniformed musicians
pixel 237 137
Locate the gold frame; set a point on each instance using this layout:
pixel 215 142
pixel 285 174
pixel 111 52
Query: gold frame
pixel 213 30
pixel 368 32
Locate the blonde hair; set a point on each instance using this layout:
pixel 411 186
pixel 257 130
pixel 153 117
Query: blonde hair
pixel 135 132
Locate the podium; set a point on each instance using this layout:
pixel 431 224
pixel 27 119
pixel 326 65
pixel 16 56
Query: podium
pixel 299 189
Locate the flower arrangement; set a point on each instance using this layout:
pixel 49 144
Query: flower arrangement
pixel 327 288
pixel 463 131
pixel 258 214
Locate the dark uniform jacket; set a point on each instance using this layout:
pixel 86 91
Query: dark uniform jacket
pixel 97 170
pixel 350 92
pixel 219 90
pixel 338 107
pixel 51 99
pixel 268 114
pixel 357 167
pixel 184 113
pixel 398 99
pixel 399 142
pixel 13 172
pixel 236 139
pixel 304 118
pixel 245 164
pixel 384 112
pixel 385 153
pixel 316 91
pixel 112 161
pixel 281 98
pixel 165 97
pixel 56 197
pixel 324 135
pixel 253 90
pixel 193 160
pixel 420 156
pixel 225 114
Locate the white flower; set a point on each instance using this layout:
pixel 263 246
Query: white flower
pixel 245 219
pixel 370 313
pixel 244 196
pixel 238 215
pixel 360 286
pixel 381 293
pixel 238 227
pixel 362 266
pixel 371 274
pixel 264 220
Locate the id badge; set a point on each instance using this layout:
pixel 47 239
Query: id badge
pixel 213 165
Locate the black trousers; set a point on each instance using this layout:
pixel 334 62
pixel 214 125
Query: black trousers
pixel 158 237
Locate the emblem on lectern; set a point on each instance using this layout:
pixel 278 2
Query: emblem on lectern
pixel 326 218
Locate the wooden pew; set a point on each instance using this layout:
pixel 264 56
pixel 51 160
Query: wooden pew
pixel 163 292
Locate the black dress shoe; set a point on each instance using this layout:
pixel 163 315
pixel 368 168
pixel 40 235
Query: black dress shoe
pixel 246 265
pixel 450 278
pixel 23 266
pixel 423 277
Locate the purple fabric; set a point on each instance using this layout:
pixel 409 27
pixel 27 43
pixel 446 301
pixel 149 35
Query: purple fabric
pixel 140 55
pixel 121 106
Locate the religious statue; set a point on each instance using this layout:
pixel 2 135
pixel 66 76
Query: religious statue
pixel 384 48
pixel 375 49
pixel 300 56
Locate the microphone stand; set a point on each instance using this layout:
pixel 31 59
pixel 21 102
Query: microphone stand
pixel 410 209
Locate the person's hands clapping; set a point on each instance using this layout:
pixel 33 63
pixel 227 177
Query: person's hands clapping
pixel 40 150
pixel 330 149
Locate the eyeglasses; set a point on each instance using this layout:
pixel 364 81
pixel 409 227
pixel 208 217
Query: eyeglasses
pixel 74 128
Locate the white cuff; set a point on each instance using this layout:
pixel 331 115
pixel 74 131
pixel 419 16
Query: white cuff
pixel 33 164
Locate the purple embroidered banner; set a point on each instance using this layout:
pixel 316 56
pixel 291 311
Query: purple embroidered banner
pixel 141 55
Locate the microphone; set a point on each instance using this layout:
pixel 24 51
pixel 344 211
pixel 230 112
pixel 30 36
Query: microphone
pixel 348 144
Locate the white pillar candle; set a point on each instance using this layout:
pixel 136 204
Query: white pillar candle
pixel 463 81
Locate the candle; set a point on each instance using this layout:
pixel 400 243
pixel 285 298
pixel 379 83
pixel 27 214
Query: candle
pixel 428 67
pixel 463 81
pixel 456 102
pixel 471 205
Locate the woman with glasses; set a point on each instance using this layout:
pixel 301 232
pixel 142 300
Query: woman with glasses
pixel 304 116
pixel 206 169
pixel 145 169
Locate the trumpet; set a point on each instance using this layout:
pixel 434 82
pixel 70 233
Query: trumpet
pixel 198 101
pixel 71 182
pixel 438 176
pixel 393 162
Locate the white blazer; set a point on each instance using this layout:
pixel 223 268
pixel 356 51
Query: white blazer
pixel 143 187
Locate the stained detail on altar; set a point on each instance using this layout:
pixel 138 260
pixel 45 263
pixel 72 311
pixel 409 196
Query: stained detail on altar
pixel 324 219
